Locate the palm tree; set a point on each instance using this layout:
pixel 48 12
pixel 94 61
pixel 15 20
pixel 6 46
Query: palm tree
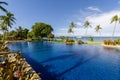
pixel 7 21
pixel 70 30
pixel 97 29
pixel 19 32
pixel 87 25
pixel 72 25
pixel 115 19
pixel 2 8
pixel 3 29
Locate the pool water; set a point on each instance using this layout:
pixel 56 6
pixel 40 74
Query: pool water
pixel 57 61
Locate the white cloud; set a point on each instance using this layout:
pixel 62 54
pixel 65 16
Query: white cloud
pixel 63 29
pixel 103 19
pixel 93 8
pixel 79 23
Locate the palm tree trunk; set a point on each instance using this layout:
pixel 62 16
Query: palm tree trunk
pixel 3 36
pixel 113 30
pixel 100 35
pixel 86 32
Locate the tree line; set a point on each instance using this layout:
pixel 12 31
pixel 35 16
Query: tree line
pixel 39 29
pixel 115 19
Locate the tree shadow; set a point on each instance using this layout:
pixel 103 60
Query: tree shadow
pixel 58 58
pixel 44 70
pixel 81 62
pixel 64 56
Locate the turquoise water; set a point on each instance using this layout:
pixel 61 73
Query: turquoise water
pixel 71 62
pixel 98 39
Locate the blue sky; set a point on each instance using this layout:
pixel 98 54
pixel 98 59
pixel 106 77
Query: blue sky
pixel 59 13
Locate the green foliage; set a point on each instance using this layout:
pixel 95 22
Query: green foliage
pixel 70 30
pixel 30 35
pixel 1 7
pixel 115 19
pixel 112 42
pixel 1 36
pixel 87 25
pixel 98 28
pixel 41 29
pixel 72 25
pixel 50 36
pixel 91 38
pixel 62 37
pixel 6 22
pixel 21 33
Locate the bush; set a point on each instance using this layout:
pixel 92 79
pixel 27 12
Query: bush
pixel 91 38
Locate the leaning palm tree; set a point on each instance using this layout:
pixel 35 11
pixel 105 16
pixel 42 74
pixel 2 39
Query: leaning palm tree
pixel 72 25
pixel 7 21
pixel 97 29
pixel 2 8
pixel 87 25
pixel 3 29
pixel 70 30
pixel 115 19
pixel 19 31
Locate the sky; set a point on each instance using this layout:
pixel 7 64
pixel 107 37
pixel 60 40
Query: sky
pixel 59 14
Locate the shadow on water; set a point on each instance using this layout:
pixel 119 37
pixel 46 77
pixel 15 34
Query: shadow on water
pixel 79 63
pixel 44 70
pixel 58 57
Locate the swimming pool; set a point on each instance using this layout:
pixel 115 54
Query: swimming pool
pixel 71 62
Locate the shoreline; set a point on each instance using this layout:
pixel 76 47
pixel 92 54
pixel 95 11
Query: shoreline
pixel 111 46
pixel 86 42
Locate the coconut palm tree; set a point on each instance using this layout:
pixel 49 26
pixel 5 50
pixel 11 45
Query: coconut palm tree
pixel 19 31
pixel 3 29
pixel 97 29
pixel 115 19
pixel 71 26
pixel 87 25
pixel 2 8
pixel 70 30
pixel 7 21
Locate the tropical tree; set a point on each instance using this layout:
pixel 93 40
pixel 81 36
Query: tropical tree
pixel 22 33
pixel 115 19
pixel 7 21
pixel 97 29
pixel 41 29
pixel 50 36
pixel 87 25
pixel 12 35
pixel 70 30
pixel 1 7
pixel 3 29
pixel 71 26
pixel 30 35
pixel 19 31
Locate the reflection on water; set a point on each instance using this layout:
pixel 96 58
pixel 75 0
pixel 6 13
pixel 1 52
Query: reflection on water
pixel 71 62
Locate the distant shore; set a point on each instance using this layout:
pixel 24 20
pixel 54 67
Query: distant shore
pixel 111 46
pixel 18 41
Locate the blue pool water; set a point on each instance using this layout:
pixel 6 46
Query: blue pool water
pixel 71 62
